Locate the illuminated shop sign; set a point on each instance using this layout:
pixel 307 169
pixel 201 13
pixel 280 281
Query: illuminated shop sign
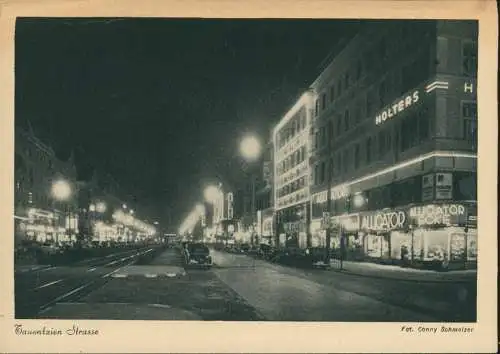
pixel 337 193
pixel 444 214
pixel 349 222
pixel 469 87
pixel 443 85
pixel 295 226
pixel 382 221
pixel 397 108
pixel 463 86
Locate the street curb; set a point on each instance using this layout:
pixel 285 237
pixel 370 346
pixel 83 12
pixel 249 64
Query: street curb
pixel 347 272
pixel 32 269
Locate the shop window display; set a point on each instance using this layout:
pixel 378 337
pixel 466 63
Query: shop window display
pixel 399 242
pixel 458 239
pixel 376 246
pixel 318 238
pixel 354 245
pixel 302 240
pixel 472 245
pixel 418 244
pixel 436 245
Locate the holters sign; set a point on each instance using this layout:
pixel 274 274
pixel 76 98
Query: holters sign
pixel 399 106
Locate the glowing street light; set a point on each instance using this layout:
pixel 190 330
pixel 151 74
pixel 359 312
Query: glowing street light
pixel 211 194
pixel 61 190
pixel 132 211
pixel 124 206
pixel 250 148
pixel 101 207
pixel 156 223
pixel 358 200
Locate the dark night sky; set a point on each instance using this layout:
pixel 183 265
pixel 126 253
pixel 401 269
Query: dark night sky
pixel 159 103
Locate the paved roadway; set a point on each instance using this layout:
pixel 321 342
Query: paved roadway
pixel 286 292
pixel 40 288
pixel 237 288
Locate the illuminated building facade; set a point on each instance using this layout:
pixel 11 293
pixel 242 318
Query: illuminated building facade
pixel 219 218
pixel 398 105
pixel 291 174
pixel 38 215
pixel 103 217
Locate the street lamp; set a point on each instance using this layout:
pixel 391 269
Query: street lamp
pixel 211 194
pixel 250 150
pixel 358 200
pixel 100 207
pixel 61 191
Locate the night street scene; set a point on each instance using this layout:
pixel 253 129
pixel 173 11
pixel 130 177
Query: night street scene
pixel 246 169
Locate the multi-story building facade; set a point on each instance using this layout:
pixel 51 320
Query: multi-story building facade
pixel 394 137
pixel 105 217
pixel 38 214
pixel 291 174
pixel 220 222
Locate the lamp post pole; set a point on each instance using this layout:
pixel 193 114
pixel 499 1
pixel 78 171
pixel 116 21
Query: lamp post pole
pixel 250 150
pixel 412 243
pixel 253 209
pixel 329 202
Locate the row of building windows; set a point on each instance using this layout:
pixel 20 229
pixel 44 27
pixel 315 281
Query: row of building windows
pixel 291 199
pixel 409 132
pixel 297 157
pixel 292 187
pixel 396 83
pixel 346 121
pixel 469 58
pixel 295 213
pixel 375 57
pixel 470 124
pixel 295 126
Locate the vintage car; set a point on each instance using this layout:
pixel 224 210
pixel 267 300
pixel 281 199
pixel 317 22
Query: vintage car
pixel 197 255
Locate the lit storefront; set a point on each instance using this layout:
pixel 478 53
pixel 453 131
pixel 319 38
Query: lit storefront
pixel 47 226
pixel 125 229
pixel 267 230
pixel 424 232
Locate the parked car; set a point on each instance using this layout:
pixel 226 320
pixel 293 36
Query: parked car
pixel 197 255
pixel 50 248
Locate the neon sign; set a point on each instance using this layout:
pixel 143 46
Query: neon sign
pixel 468 87
pixel 436 214
pixel 384 221
pixel 397 108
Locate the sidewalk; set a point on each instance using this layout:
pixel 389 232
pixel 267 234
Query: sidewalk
pixel 399 273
